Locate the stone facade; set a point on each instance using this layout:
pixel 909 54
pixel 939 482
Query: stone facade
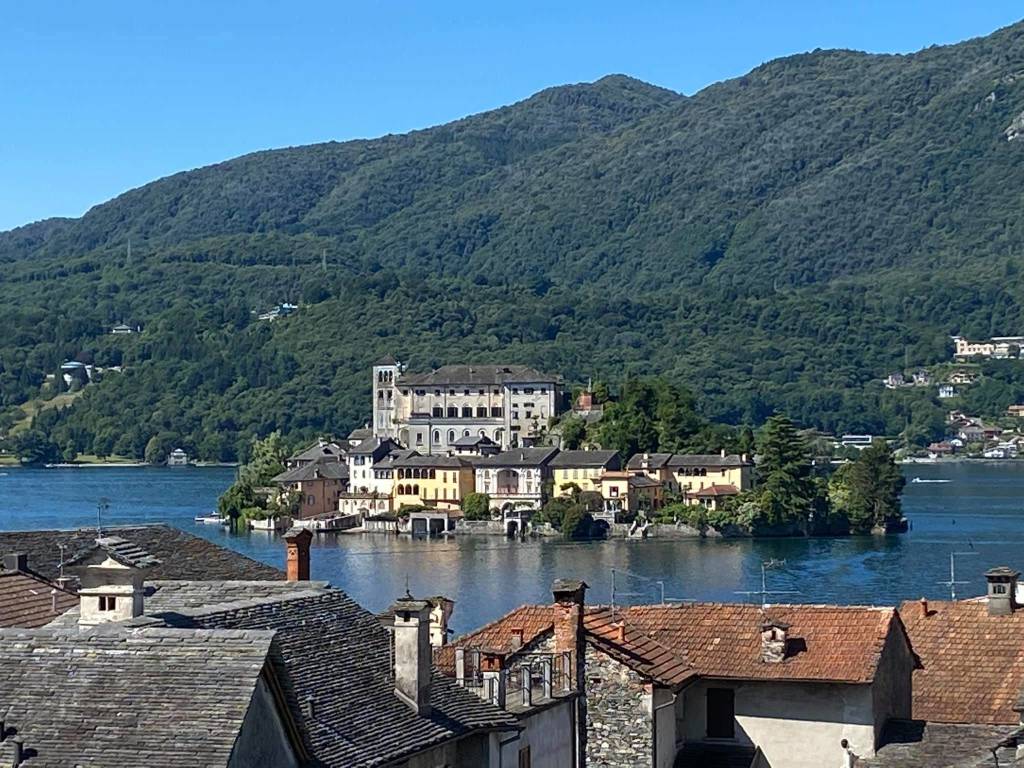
pixel 619 733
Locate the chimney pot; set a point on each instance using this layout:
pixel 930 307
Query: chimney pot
pixel 924 606
pixel 297 561
pixel 517 638
pixel 1002 589
pixel 723 453
pixel 570 596
pixel 620 632
pixel 16 561
pixel 774 641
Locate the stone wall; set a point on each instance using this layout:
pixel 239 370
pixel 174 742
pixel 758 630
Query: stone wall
pixel 619 733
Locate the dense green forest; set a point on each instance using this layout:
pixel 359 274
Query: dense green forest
pixel 773 243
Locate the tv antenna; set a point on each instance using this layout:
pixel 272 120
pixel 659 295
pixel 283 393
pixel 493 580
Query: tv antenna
pixel 659 583
pixel 101 506
pixel 952 573
pixel 769 565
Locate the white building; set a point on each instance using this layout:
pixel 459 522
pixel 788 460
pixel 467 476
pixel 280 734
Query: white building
pixel 510 404
pixel 515 478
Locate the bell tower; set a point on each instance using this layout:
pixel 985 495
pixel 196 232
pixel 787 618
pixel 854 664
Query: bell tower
pixel 385 378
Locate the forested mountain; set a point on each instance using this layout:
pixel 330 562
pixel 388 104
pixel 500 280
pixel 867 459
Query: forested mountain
pixel 774 242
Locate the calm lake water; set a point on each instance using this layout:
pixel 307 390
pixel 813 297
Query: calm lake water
pixel 980 510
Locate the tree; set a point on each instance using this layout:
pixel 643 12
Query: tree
pixel 868 490
pixel 574 430
pixel 266 460
pixel 786 492
pixel 34 447
pixel 159 447
pixel 477 506
pixel 577 523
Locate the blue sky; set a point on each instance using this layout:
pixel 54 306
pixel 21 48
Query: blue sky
pixel 97 98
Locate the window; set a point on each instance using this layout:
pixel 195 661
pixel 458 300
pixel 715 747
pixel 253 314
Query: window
pixel 310 501
pixel 419 438
pixel 524 757
pixel 453 412
pixel 467 412
pixel 721 713
pixel 515 390
pixel 437 433
pixel 998 589
pixel 575 474
pixel 437 393
pixel 420 392
pixel 496 412
pixel 465 433
pixel 481 411
pixel 451 435
pixel 527 390
pixel 108 603
pixel 437 411
pixel 451 391
pixel 465 391
pixel 480 392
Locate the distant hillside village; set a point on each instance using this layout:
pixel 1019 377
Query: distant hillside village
pixel 499 449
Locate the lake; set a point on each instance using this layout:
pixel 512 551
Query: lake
pixel 980 510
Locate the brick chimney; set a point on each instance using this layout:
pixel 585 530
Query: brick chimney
pixel 297 561
pixel 1002 590
pixel 412 653
pixel 16 561
pixel 569 597
pixel 774 636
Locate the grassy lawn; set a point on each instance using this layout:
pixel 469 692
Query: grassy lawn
pixel 32 407
pixel 88 458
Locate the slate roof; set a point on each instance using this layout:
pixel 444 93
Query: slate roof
pixel 28 600
pixel 314 470
pixel 840 644
pixel 707 460
pixel 972 663
pixel 472 441
pixel 654 460
pixel 375 445
pixel 319 450
pixel 181 555
pixel 593 459
pixel 916 744
pixel 477 375
pixel 519 457
pixel 331 650
pixel 154 697
pixel 119 550
pixel 360 433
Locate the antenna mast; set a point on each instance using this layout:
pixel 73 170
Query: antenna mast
pixel 952 573
pixel 102 506
pixel 769 565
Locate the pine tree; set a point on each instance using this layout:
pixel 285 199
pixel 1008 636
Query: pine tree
pixel 786 490
pixel 873 485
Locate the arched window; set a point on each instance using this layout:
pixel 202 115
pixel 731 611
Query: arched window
pixel 437 436
pixel 416 489
pixel 433 474
pixel 465 433
pixel 451 435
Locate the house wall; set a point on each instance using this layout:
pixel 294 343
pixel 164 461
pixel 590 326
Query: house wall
pixel 664 714
pixel 262 739
pixel 619 732
pixel 549 733
pixel 478 750
pixel 777 715
pixel 318 497
pixel 587 478
pixel 688 479
pixel 529 488
pixel 892 689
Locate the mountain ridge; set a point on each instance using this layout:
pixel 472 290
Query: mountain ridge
pixel 776 241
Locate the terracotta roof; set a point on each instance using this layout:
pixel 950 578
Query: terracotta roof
pixel 30 601
pixel 533 620
pixel 973 663
pixel 723 640
pixel 649 658
pixel 718 490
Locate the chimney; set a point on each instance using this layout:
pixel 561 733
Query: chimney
pixel 492 671
pixel 297 561
pixel 412 653
pixel 1002 589
pixel 517 638
pixel 111 577
pixel 441 609
pixel 16 561
pixel 569 597
pixel 773 641
pixel 17 751
pixel 620 632
pixel 924 607
pixel 723 453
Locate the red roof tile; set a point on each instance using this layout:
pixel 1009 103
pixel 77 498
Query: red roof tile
pixel 718 490
pixel 972 663
pixel 648 658
pixel 835 643
pixel 533 620
pixel 27 600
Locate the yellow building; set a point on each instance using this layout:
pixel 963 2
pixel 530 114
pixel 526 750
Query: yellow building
pixel 440 482
pixel 583 469
pixel 628 493
pixel 710 479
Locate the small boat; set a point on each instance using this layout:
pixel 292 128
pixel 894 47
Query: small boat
pixel 210 520
pixel 927 480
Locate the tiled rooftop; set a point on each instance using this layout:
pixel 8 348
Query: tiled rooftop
pixel 181 555
pixel 27 600
pixel 915 744
pixel 973 663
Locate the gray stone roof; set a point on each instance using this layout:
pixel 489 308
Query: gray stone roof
pixel 654 460
pixel 181 555
pixel 472 441
pixel 594 459
pixel 519 457
pixel 153 697
pixel 120 550
pixel 375 446
pixel 477 375
pixel 319 450
pixel 707 460
pixel 916 744
pixel 28 600
pixel 314 470
pixel 331 650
